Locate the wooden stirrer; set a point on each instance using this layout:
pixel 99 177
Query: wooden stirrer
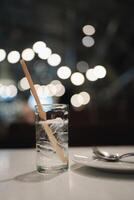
pixel 42 115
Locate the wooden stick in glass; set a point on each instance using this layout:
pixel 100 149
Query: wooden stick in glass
pixel 42 115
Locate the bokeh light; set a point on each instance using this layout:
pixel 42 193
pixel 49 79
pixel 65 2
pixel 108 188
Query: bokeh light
pixel 61 91
pixel 77 78
pixel 78 100
pixel 82 66
pixel 57 88
pixel 56 82
pixel 88 41
pixel 39 46
pixel 7 91
pixel 13 57
pixel 45 53
pixel 11 91
pixel 54 59
pixel 54 89
pixel 2 55
pixel 23 84
pixel 85 97
pixel 28 54
pixel 64 72
pixel 44 98
pixel 88 30
pixel 99 71
pixel 90 75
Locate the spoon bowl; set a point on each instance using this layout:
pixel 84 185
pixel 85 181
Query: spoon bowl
pixel 108 156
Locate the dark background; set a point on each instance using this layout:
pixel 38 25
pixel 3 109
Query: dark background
pixel 108 119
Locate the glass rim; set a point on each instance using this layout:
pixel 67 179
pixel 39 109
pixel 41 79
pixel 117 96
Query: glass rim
pixel 53 105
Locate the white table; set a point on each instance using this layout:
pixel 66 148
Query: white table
pixel 20 181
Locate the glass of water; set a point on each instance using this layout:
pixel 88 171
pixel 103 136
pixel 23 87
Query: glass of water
pixel 48 160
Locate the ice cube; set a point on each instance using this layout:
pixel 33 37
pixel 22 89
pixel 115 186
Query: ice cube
pixel 56 124
pixel 55 121
pixel 60 129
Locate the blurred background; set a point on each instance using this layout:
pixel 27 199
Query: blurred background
pixel 78 52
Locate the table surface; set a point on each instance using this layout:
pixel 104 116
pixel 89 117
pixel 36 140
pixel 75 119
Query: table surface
pixel 20 181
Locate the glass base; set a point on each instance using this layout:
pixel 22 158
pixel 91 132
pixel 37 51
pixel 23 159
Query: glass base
pixel 52 170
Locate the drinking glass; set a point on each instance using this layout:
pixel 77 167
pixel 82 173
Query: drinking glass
pixel 48 159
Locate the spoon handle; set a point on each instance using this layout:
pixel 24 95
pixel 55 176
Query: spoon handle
pixel 126 155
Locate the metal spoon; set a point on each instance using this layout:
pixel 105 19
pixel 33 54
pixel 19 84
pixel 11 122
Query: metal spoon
pixel 110 157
